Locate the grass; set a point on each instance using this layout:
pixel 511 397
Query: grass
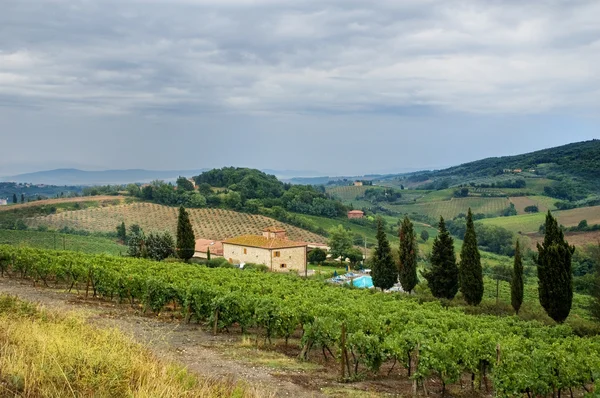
pixel 54 240
pixel 46 354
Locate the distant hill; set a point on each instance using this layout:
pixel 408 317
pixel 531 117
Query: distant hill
pixel 577 162
pixel 580 159
pixel 81 177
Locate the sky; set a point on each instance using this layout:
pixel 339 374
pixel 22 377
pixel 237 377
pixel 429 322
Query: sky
pixel 328 87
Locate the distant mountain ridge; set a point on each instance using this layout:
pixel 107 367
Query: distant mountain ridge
pixel 82 177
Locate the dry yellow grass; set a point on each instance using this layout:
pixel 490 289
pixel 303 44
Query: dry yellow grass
pixel 207 223
pixel 44 354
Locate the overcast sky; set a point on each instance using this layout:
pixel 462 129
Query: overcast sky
pixel 334 86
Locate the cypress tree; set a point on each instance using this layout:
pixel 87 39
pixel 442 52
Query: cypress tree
pixel 555 276
pixel 384 272
pixel 470 273
pixel 408 256
pixel 208 254
pixel 442 279
pixel 15 198
pixel 516 283
pixel 22 198
pixel 186 241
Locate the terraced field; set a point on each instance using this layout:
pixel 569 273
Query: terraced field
pixel 207 223
pixel 529 223
pixel 453 207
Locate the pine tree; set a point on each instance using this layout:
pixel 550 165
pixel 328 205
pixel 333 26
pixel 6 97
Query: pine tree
pixel 555 276
pixel 384 272
pixel 516 283
pixel 22 198
pixel 442 279
pixel 15 198
pixel 186 241
pixel 122 232
pixel 408 256
pixel 208 254
pixel 470 273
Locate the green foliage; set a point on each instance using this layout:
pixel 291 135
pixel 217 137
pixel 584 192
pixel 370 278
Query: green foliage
pixel 516 284
pixel 381 328
pixel 186 241
pixel 317 256
pixel 184 185
pixel 442 278
pixel 424 235
pixel 384 271
pixel 470 272
pixel 554 272
pixel 408 255
pixel 160 246
pixel 509 211
pixel 355 255
pixel 340 241
pixel 596 285
pixel 15 201
pixel 531 209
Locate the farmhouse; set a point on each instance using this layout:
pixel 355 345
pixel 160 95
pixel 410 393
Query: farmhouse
pixel 3 202
pixel 203 245
pixel 272 249
pixel 356 214
pixel 358 183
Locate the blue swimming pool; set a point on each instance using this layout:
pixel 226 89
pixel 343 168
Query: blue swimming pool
pixel 363 282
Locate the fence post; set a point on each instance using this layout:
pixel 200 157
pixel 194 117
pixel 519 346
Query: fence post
pixel 416 367
pixel 343 353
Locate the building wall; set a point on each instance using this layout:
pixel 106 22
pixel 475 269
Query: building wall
pixel 294 258
pixel 353 215
pixel 203 255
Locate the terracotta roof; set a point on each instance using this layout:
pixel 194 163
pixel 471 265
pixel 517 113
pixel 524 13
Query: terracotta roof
pixel 356 211
pixel 216 246
pixel 274 229
pixel 261 241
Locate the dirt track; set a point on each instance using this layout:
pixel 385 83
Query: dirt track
pixel 183 343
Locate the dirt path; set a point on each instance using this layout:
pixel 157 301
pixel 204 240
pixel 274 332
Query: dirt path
pixel 183 343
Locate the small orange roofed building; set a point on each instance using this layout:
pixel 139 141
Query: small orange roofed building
pixel 356 214
pixel 203 245
pixel 272 249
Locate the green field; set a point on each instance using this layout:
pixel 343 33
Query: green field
pixel 53 240
pixel 527 223
pixel 452 208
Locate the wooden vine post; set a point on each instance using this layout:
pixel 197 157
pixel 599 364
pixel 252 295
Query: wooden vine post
pixel 416 368
pixel 343 353
pixel 216 323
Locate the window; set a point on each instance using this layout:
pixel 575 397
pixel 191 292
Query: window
pixel 283 266
pixel 277 254
pixel 245 251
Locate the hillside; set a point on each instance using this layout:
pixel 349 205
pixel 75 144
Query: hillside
pixel 207 223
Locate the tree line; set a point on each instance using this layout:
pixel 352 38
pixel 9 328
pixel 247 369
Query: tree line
pixel 446 277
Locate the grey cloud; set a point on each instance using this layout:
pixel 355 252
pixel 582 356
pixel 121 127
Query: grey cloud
pixel 272 56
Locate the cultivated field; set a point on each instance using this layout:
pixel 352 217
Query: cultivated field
pixel 574 238
pixel 528 223
pixel 543 203
pixel 451 208
pixel 207 223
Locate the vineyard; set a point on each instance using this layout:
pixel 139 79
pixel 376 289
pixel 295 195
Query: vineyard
pixel 54 240
pixel 100 200
pixel 364 331
pixel 452 208
pixel 207 223
pixel 542 202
